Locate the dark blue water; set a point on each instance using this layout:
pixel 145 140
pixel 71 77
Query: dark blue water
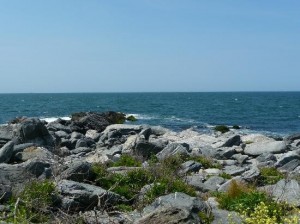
pixel 276 112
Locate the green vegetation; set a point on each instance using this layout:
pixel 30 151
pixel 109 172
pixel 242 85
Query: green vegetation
pixel 221 128
pixel 131 118
pixel 269 175
pixel 206 162
pixel 127 160
pixel 225 175
pixel 163 176
pixel 33 204
pixel 236 127
pixel 248 142
pixel 206 218
pixel 246 200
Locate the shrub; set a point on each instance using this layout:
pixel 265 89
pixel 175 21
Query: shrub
pixel 128 160
pixel 269 175
pixel 33 204
pixel 255 207
pixel 236 127
pixel 131 118
pixel 221 128
pixel 207 162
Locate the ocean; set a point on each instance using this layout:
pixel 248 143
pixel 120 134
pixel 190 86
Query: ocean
pixel 273 113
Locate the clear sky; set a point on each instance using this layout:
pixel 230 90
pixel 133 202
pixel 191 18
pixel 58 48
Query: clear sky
pixel 149 45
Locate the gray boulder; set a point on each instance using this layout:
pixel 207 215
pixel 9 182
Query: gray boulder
pixel 146 149
pixel 287 157
pixel 78 171
pixel 32 130
pixel 291 165
pixel 82 197
pixel 213 183
pixel 6 134
pixel 286 190
pixel 196 181
pixel 173 149
pixel 234 170
pixel 6 152
pixel 235 140
pixel 190 166
pixel 293 137
pixel 173 208
pixel 258 148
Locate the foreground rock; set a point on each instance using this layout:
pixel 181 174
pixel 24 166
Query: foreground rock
pixel 173 208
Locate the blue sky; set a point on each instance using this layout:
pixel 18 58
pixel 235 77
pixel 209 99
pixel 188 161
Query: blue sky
pixel 149 45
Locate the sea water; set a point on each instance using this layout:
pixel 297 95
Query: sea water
pixel 268 112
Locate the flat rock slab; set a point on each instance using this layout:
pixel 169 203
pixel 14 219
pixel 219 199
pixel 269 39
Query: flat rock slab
pixel 256 149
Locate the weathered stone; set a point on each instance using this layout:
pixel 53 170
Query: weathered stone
pixel 78 171
pixel 173 149
pixel 256 149
pixel 190 166
pixel 196 181
pixel 32 130
pixel 240 158
pixel 173 208
pixel 234 170
pixel 291 165
pixel 235 140
pixel 33 152
pixel 224 187
pixel 287 157
pixel 213 183
pixel 286 190
pixel 6 152
pixel 81 197
pixel 251 174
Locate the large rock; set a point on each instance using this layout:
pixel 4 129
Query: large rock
pixel 6 152
pixel 146 148
pixel 287 157
pixel 84 121
pixel 256 149
pixel 32 130
pixel 78 171
pixel 173 208
pixel 232 141
pixel 81 197
pixel 6 134
pixel 285 190
pixel 293 137
pixel 173 149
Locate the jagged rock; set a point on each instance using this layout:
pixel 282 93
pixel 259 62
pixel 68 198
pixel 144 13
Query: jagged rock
pixel 78 171
pixel 81 143
pixel 224 187
pixel 225 153
pixel 213 171
pixel 234 170
pixel 6 134
pixel 293 137
pixel 146 149
pixel 76 135
pixel 196 181
pixel 256 149
pixel 32 130
pixel 93 134
pixel 190 166
pixel 82 197
pixel 266 157
pixel 232 141
pixel 285 190
pixel 287 157
pixel 6 152
pixel 59 125
pixel 251 174
pixel 240 158
pixel 213 183
pixel 61 134
pixel 291 165
pixel 173 208
pixel 33 152
pixel 173 149
pixel 81 150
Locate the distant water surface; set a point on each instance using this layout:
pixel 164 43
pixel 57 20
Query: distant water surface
pixel 270 112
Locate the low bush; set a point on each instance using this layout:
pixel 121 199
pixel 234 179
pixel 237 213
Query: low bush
pixel 255 206
pixel 131 118
pixel 33 204
pixel 221 128
pixel 127 160
pixel 269 175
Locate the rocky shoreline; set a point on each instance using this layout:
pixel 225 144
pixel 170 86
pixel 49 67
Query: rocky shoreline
pixel 100 170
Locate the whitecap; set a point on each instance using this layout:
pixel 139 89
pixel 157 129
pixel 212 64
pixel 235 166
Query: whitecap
pixel 142 116
pixel 51 119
